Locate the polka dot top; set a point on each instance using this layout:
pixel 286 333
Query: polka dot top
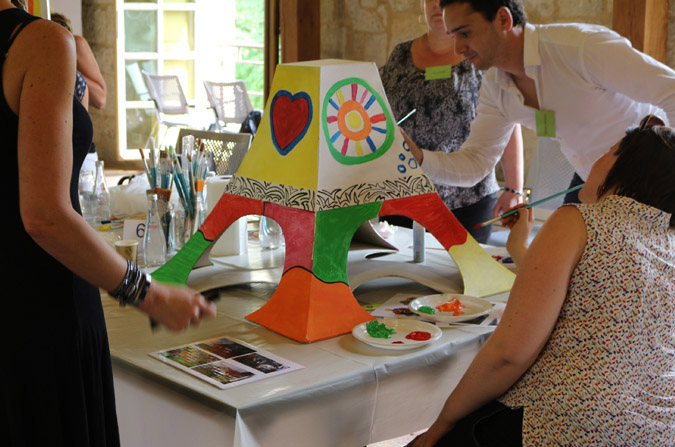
pixel 80 86
pixel 606 376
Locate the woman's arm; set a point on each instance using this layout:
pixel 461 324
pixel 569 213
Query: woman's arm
pixel 532 311
pixel 87 65
pixel 44 105
pixel 512 165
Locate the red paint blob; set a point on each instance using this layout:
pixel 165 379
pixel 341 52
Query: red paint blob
pixel 418 335
pixel 397 342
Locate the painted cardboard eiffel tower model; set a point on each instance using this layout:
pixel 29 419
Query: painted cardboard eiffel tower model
pixel 327 157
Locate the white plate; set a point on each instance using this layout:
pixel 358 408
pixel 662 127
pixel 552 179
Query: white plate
pixel 473 307
pixel 402 328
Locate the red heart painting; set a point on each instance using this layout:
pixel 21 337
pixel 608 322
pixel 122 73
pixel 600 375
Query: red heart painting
pixel 290 118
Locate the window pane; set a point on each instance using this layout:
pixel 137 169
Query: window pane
pixel 185 70
pixel 254 77
pixel 140 31
pixel 135 86
pixel 140 123
pixel 178 31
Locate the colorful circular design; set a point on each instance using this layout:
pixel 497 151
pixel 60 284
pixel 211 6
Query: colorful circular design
pixel 356 122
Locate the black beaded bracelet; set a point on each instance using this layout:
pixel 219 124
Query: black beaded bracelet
pixel 507 189
pixel 134 286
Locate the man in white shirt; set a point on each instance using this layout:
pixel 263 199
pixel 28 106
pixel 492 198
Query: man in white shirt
pixel 579 84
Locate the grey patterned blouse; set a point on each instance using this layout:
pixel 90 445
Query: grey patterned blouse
pixel 445 109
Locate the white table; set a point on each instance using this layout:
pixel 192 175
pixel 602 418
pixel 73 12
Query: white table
pixel 349 394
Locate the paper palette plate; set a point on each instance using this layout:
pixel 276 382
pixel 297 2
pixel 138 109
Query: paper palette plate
pixel 398 340
pixel 473 307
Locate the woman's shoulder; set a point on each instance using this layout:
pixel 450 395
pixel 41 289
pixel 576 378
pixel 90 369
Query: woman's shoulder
pixel 45 35
pixel 400 54
pixel 621 208
pixel 403 47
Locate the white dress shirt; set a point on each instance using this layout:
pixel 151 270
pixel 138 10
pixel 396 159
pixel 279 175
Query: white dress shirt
pixel 593 80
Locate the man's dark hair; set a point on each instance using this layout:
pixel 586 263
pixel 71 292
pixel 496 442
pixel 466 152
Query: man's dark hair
pixel 644 168
pixel 489 8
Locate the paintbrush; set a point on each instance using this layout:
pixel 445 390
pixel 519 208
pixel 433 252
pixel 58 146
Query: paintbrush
pixel 406 117
pixel 529 205
pixel 145 166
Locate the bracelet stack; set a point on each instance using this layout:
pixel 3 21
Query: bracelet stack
pixel 134 286
pixel 514 191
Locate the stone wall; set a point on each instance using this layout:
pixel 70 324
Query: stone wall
pixel 99 28
pixel 369 29
pixel 350 29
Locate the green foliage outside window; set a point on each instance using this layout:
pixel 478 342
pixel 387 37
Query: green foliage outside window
pixel 250 29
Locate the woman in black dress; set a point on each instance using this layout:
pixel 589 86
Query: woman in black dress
pixel 56 381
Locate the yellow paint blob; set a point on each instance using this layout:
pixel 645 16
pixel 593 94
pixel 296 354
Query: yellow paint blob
pixel 354 120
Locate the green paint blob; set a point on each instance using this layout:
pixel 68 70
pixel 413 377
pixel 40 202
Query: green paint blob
pixel 378 330
pixel 427 310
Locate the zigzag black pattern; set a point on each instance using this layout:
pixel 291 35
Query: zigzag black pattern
pixel 272 192
pixel 309 200
pixel 374 192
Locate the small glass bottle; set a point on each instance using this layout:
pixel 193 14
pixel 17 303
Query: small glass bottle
pixel 154 242
pixel 200 205
pixel 102 195
pixel 85 189
pixel 270 233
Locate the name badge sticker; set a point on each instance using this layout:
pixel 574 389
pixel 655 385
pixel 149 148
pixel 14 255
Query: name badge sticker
pixel 438 72
pixel 545 123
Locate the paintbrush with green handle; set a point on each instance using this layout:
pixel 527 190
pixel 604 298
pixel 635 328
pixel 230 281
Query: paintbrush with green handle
pixel 529 205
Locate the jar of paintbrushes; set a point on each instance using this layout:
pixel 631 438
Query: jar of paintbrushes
pixel 186 173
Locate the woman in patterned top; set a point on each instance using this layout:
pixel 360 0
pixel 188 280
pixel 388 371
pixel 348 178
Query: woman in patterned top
pixel 584 353
pixel 445 108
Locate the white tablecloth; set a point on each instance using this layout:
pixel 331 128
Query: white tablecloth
pixel 349 394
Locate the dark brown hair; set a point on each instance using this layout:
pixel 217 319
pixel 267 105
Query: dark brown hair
pixel 645 168
pixel 489 8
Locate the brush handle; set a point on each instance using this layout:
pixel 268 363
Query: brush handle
pixel 529 205
pixel 406 117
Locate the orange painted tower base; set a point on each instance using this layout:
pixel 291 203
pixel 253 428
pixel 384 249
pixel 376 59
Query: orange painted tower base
pixel 307 309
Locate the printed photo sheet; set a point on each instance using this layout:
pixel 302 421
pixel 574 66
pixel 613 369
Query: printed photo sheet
pixel 226 362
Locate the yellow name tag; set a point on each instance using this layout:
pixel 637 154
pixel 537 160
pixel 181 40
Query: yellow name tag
pixel 438 72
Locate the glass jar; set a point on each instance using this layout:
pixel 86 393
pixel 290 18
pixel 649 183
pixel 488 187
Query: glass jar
pixel 154 242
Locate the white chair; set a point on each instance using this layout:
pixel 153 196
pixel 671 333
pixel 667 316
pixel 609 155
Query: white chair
pixel 230 102
pixel 170 102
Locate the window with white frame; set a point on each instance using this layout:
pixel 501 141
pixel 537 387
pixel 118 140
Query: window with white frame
pixel 193 39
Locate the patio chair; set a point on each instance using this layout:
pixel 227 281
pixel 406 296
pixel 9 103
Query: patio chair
pixel 230 102
pixel 170 102
pixel 227 150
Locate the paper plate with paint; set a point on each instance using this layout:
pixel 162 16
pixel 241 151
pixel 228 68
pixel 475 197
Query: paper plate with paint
pixel 392 333
pixel 450 307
